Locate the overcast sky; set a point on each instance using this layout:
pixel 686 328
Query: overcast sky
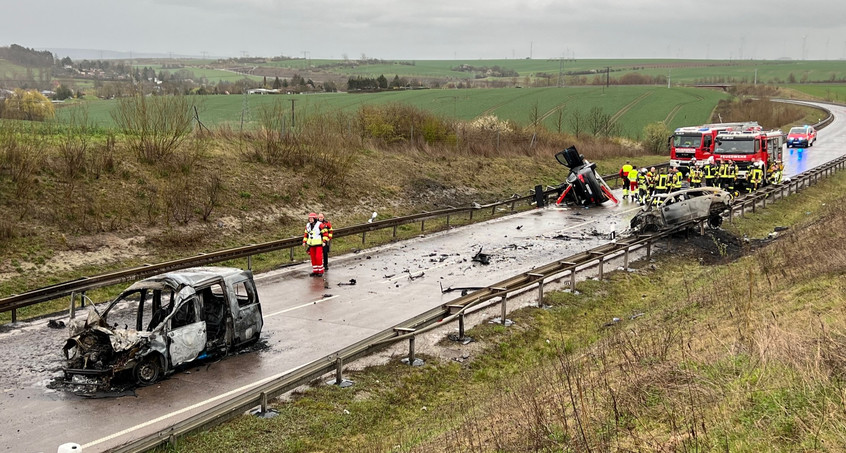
pixel 435 29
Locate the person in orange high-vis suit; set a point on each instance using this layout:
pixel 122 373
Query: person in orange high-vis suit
pixel 327 238
pixel 313 242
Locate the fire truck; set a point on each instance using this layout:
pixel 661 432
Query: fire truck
pixel 747 148
pixel 697 142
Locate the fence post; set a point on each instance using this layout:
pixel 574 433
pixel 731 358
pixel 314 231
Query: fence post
pixel 540 287
pixel 422 225
pixel 395 231
pixel 14 315
pixel 249 263
pixel 447 225
pixel 626 259
pixel 292 254
pixel 72 306
pixel 363 236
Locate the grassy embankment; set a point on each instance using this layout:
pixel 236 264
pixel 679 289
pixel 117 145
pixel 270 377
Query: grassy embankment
pixel 731 353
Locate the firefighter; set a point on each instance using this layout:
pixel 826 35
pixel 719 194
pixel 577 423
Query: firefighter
pixel 676 180
pixel 710 171
pixel 732 177
pixel 696 176
pixel 624 178
pixel 642 186
pixel 723 173
pixel 633 175
pixel 663 183
pixel 756 177
pixel 776 171
pixel 313 241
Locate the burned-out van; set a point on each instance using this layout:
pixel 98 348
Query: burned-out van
pixel 162 322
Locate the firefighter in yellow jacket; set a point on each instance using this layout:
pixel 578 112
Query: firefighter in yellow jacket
pixel 624 179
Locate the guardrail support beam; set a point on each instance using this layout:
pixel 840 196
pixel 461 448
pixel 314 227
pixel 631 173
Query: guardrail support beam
pixel 72 310
pixel 540 287
pixel 363 237
pixel 395 231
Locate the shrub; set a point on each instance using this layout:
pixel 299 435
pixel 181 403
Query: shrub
pixel 28 105
pixel 655 136
pixel 155 126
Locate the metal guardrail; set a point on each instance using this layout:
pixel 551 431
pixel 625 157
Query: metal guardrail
pixel 456 310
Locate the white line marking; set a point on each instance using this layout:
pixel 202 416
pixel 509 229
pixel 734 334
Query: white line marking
pixel 186 409
pixel 307 304
pixel 404 274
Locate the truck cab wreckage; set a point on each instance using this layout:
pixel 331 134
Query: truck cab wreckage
pixel 161 323
pixel 583 186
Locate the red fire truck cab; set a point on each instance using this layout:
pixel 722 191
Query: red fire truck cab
pixel 747 148
pixel 697 142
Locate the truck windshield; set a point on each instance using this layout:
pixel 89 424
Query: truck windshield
pixel 735 147
pixel 797 130
pixel 687 141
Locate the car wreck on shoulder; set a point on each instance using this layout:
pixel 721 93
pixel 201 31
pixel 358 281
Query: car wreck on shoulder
pixel 664 211
pixel 161 323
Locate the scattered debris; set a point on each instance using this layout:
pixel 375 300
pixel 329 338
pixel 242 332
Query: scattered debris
pixel 482 258
pixel 54 324
pixel 614 320
pixel 372 217
pixel 459 339
pixel 498 320
pixel 636 315
pixel 352 282
pixel 268 414
pixel 412 276
pixel 519 227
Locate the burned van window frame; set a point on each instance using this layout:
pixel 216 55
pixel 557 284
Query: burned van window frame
pixel 245 294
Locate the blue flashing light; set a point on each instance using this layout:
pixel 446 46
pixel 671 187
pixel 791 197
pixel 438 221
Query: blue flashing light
pixel 703 129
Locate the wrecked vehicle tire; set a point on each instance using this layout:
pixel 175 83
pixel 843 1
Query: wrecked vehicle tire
pixel 570 157
pixel 148 370
pixel 715 220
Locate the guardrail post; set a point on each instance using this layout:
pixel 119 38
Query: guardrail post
pixel 422 225
pixel 649 249
pixel 72 310
pixel 447 225
pixel 731 215
pixel 626 259
pixel 512 206
pixel 263 402
pixel 363 236
pixel 764 199
pixel 395 231
pixel 742 209
pixel 601 266
pixel 14 315
pixel 493 210
pixel 250 262
pixel 702 228
pixel 461 326
pixel 471 213
pixel 82 300
pixel 573 279
pixel 411 350
pixel 540 287
pixel 339 368
pixel 292 254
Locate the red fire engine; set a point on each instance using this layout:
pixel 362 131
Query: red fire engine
pixel 697 142
pixel 747 148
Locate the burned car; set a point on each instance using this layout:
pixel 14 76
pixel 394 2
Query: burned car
pixel 162 322
pixel 583 185
pixel 675 208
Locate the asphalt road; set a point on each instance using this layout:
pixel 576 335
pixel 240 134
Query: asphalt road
pixel 309 318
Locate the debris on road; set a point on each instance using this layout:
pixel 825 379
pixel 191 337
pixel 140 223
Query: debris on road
pixel 482 258
pixel 349 283
pixel 54 324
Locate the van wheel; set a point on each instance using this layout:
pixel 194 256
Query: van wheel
pixel 148 370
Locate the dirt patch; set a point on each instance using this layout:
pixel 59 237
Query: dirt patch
pixel 716 247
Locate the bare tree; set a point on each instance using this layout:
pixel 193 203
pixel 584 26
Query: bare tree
pixel 154 125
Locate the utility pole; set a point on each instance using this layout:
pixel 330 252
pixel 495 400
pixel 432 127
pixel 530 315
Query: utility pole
pixel 756 77
pixel 293 120
pixel 607 76
pixel 669 73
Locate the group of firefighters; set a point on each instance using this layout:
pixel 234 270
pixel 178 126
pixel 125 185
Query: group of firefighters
pixel 640 185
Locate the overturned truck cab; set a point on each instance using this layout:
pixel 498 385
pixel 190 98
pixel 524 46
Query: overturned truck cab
pixel 162 322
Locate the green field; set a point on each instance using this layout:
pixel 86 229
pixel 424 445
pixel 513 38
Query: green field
pixel 828 92
pixel 213 75
pixel 679 71
pixel 635 106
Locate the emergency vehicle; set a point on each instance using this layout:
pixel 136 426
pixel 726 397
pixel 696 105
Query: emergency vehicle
pixel 747 148
pixel 697 142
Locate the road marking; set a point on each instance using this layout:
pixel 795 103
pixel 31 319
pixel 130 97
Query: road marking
pixel 186 409
pixel 307 304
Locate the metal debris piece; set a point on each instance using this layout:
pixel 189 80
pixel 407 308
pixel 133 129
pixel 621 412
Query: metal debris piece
pixel 54 324
pixel 412 276
pixel 498 320
pixel 482 258
pixel 352 282
pixel 463 340
pixel 460 288
pixel 268 414
pixel 417 362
